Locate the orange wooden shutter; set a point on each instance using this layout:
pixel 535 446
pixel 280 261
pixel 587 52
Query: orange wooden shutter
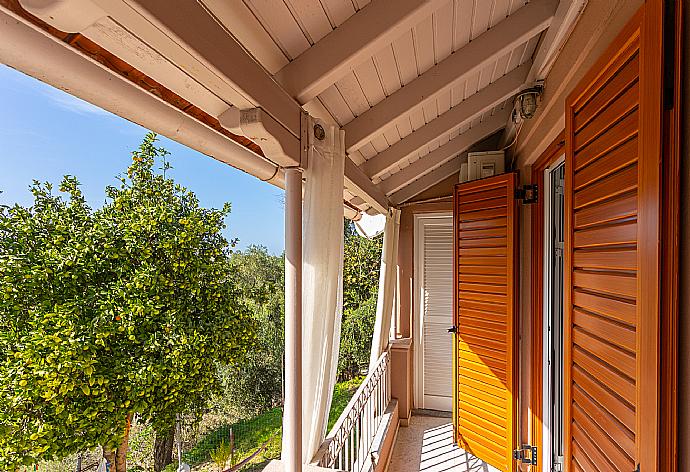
pixel 612 257
pixel 485 220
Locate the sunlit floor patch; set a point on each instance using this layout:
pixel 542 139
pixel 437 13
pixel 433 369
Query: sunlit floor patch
pixel 426 445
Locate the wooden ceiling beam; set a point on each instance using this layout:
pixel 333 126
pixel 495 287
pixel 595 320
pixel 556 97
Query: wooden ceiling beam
pixel 425 182
pixel 462 113
pixel 515 30
pixel 444 153
pixel 361 36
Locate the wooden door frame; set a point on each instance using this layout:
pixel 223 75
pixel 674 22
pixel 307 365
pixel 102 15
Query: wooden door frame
pixel 544 161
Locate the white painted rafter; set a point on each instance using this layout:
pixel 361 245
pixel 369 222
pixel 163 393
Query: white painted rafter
pixel 360 37
pixel 515 30
pixel 215 60
pixel 444 153
pixel 462 113
pixel 425 182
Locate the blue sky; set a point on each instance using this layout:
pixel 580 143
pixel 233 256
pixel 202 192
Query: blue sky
pixel 46 133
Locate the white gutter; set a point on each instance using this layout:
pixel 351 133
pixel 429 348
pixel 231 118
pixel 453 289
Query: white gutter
pixel 40 55
pixel 35 52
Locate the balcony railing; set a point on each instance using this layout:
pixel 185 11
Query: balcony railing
pixel 350 444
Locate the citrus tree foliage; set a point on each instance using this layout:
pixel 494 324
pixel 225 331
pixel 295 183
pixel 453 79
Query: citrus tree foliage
pixel 109 313
pixel 362 261
pixel 256 385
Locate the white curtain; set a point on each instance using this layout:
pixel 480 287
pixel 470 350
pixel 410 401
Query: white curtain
pixel 322 301
pixel 388 280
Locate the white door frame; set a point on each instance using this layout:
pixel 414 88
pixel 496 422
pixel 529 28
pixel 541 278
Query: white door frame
pixel 546 320
pixel 418 301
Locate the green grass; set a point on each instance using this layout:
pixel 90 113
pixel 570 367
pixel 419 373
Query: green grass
pixel 342 393
pixel 250 434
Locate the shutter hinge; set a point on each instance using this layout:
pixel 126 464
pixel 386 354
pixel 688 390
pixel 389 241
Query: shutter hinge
pixel 526 454
pixel 527 194
pixel 453 329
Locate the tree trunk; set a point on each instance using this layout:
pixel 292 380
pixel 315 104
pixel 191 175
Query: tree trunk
pixel 163 449
pixel 121 454
pixel 118 457
pixel 109 456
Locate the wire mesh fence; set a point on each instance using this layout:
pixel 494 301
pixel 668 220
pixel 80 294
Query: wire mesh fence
pixel 247 444
pixel 210 443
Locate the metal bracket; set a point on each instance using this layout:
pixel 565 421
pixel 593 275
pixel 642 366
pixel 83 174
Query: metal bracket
pixel 528 194
pixel 526 454
pixel 453 329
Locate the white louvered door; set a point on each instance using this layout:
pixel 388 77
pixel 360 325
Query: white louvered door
pixel 435 298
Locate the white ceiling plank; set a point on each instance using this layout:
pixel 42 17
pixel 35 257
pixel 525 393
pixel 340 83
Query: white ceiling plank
pixel 368 151
pixel 500 12
pixel 338 10
pixel 334 102
pixel 516 29
pixel 387 70
pixel 481 18
pixel 425 182
pixel 453 118
pixel 363 34
pixel 443 32
pixel 245 27
pixel 278 20
pixel 423 34
pixel 352 93
pixel 430 111
pixel 442 154
pixel 404 127
pixel 417 119
pixel 392 136
pixel 564 21
pixel 443 102
pixel 463 23
pixel 311 17
pixel 403 48
pixel 368 79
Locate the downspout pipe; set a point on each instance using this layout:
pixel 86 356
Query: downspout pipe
pixel 35 52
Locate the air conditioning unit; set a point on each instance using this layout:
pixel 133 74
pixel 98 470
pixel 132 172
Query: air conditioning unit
pixel 482 164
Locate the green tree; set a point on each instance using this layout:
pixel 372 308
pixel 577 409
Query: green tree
pixel 110 313
pixel 362 260
pixel 256 385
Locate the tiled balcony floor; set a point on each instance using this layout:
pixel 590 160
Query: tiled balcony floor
pixel 426 445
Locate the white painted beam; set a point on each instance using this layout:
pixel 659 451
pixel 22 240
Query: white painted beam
pixel 190 24
pixel 191 39
pixel 518 28
pixel 360 185
pixel 425 182
pixel 564 20
pixel 360 37
pixel 465 111
pixel 444 153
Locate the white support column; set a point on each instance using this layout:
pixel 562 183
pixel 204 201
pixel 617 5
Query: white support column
pixel 292 420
